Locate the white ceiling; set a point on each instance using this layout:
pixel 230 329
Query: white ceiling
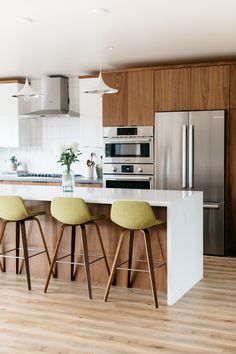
pixel 67 35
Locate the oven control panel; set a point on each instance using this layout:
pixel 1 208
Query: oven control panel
pixel 128 169
pixel 128 131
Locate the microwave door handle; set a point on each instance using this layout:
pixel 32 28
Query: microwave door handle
pixel 184 156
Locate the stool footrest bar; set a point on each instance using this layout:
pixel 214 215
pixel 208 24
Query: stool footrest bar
pixel 59 260
pixel 4 254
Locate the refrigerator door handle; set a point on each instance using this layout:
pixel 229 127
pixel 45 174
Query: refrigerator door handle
pixel 211 205
pixel 184 156
pixel 190 156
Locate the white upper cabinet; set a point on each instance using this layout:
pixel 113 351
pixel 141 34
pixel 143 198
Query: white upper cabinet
pixel 10 108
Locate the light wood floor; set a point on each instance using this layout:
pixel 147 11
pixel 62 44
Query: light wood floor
pixel 65 321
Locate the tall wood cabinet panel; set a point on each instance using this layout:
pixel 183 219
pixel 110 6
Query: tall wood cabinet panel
pixel 115 106
pixel 232 85
pixel 140 97
pixel 210 87
pixel 172 90
pixel 231 183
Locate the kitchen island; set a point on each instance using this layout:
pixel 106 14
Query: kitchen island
pixel 182 235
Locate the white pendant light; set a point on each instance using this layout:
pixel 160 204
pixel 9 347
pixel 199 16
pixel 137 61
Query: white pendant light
pixel 101 88
pixel 26 91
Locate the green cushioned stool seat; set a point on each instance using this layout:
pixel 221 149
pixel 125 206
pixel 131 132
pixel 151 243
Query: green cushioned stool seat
pixel 13 209
pixel 73 213
pixel 136 216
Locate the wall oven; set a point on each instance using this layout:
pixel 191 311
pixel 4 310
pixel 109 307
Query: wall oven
pixel 128 157
pixel 128 176
pixel 130 182
pixel 128 144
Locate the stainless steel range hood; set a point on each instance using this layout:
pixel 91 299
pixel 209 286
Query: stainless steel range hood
pixel 54 99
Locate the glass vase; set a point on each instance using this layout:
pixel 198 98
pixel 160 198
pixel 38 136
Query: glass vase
pixel 68 181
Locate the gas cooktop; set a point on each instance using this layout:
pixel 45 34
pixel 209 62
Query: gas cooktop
pixel 42 175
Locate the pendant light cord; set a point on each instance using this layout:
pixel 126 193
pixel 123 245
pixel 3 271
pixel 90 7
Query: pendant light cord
pixel 28 21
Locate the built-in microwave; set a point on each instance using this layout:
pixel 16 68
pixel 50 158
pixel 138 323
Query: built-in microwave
pixel 128 144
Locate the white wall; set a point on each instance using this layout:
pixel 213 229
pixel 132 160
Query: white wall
pixel 90 132
pixel 46 134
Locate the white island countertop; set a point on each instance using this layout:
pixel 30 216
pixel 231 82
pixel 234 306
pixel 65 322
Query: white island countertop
pixel 162 198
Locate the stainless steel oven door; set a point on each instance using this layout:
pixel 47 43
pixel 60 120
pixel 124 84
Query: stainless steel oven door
pixel 131 182
pixel 128 150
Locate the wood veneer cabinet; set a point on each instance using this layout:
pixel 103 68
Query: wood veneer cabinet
pixel 133 105
pixel 172 90
pixel 209 87
pixel 195 88
pixel 232 85
pixel 140 97
pixel 115 106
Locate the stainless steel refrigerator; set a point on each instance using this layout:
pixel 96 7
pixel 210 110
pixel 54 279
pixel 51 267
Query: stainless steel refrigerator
pixel 189 154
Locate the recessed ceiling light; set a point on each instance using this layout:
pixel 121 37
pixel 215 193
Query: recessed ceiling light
pixel 108 47
pixel 102 10
pixel 26 19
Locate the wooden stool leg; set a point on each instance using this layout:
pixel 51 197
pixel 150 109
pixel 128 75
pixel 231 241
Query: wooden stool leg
pixel 43 239
pixel 131 243
pixel 150 264
pixel 17 246
pixel 113 268
pixel 25 249
pixel 73 232
pixel 3 227
pixel 54 258
pixel 86 259
pixel 102 247
pixel 161 249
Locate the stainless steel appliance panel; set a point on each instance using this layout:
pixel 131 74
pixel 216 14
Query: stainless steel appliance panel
pixel 189 148
pixel 170 142
pixel 213 219
pixel 135 169
pixel 206 158
pixel 128 182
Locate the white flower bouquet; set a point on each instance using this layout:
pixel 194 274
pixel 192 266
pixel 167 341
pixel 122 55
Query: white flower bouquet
pixel 68 154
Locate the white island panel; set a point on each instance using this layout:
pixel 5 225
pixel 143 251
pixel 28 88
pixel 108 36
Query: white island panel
pixel 184 246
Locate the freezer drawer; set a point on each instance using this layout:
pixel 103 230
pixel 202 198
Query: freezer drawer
pixel 213 228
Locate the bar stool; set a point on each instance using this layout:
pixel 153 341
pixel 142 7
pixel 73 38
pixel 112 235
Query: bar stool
pixel 73 212
pixel 13 209
pixel 136 216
